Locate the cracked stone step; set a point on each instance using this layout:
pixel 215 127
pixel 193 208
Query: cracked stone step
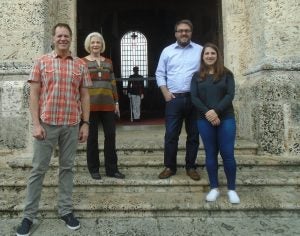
pixel 144 176
pixel 157 160
pixel 257 198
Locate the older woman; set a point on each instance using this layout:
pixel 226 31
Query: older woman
pixel 104 106
pixel 212 92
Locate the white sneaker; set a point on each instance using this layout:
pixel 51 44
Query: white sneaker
pixel 212 195
pixel 233 197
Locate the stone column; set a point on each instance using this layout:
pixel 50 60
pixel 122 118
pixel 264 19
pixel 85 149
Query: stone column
pixel 66 12
pixel 263 48
pixel 25 35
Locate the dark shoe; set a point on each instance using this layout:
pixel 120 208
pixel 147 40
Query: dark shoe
pixel 193 174
pixel 117 175
pixel 71 221
pixel 24 228
pixel 96 175
pixel 167 172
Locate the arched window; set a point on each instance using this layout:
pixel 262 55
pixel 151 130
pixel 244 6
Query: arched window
pixel 134 52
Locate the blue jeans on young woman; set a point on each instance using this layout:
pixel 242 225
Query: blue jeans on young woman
pixel 217 139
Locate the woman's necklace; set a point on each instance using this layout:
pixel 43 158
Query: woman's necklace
pixel 98 60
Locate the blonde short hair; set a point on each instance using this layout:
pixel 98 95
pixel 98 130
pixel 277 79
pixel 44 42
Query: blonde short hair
pixel 87 41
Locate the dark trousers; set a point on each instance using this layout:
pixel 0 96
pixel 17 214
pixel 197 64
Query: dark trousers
pixel 180 109
pixel 107 118
pixel 219 138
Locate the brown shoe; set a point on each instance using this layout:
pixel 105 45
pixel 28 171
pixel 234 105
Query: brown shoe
pixel 167 172
pixel 193 174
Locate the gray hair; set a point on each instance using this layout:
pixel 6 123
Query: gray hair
pixel 87 41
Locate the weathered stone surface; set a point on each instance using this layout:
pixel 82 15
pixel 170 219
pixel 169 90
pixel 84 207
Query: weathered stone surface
pixel 22 32
pixel 268 103
pixel 90 203
pixel 177 202
pixel 237 224
pixel 261 30
pixel 261 47
pixel 66 12
pixel 144 179
pixel 14 113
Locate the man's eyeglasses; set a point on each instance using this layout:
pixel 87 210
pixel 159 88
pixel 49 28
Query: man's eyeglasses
pixel 183 31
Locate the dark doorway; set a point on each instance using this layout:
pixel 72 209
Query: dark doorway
pixel 155 19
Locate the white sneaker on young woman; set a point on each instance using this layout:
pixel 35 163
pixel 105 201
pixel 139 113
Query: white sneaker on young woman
pixel 212 195
pixel 233 197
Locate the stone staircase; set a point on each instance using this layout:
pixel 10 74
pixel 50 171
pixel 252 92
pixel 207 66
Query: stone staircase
pixel 266 184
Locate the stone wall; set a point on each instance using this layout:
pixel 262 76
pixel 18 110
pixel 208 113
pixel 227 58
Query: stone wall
pixel 22 38
pixel 270 101
pixel 235 35
pixel 263 49
pixel 25 35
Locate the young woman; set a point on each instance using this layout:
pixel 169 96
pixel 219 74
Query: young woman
pixel 212 92
pixel 104 106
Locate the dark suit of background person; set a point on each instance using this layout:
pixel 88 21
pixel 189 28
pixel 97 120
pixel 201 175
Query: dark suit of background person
pixel 212 92
pixel 104 106
pixel 135 91
pixel 177 63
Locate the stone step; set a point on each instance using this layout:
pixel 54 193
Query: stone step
pixel 147 177
pixel 237 223
pixel 265 183
pixel 150 138
pixel 154 160
pixel 138 143
pixel 91 204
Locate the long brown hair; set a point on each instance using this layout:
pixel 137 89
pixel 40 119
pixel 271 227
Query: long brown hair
pixel 219 68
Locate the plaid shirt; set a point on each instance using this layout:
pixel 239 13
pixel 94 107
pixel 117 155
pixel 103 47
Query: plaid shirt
pixel 61 80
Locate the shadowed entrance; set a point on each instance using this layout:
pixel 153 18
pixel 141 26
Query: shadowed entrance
pixel 155 19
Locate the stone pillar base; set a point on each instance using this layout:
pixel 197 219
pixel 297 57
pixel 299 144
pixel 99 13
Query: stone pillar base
pixel 268 110
pixel 14 115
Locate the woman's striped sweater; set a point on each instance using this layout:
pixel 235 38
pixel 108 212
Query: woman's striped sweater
pixel 103 93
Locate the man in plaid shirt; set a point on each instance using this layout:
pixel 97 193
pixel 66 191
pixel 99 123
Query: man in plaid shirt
pixel 59 100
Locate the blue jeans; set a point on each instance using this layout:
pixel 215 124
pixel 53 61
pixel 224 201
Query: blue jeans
pixel 219 138
pixel 180 109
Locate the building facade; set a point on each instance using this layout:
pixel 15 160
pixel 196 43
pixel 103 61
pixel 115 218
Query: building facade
pixel 261 45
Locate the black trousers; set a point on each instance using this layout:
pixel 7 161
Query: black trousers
pixel 107 118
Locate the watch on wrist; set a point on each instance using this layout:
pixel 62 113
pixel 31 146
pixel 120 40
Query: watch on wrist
pixel 85 122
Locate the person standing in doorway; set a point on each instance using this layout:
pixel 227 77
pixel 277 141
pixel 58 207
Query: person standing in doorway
pixel 135 91
pixel 177 64
pixel 212 92
pixel 58 100
pixel 104 108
